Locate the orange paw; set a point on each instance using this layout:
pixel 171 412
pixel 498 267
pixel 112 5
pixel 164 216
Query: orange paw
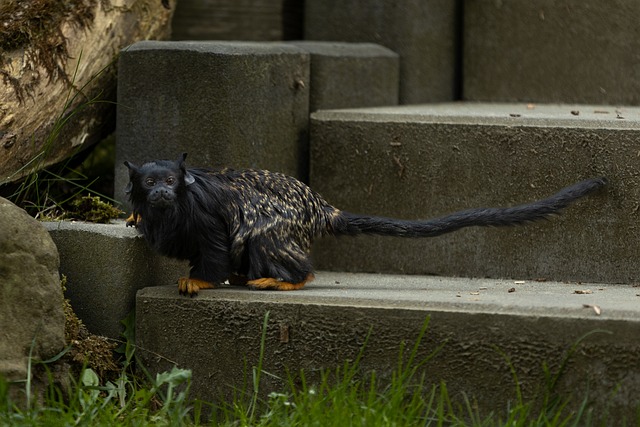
pixel 188 286
pixel 133 220
pixel 269 283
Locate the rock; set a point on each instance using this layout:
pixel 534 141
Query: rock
pixel 31 300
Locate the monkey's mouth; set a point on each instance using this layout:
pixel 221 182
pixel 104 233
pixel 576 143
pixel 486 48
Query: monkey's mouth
pixel 161 201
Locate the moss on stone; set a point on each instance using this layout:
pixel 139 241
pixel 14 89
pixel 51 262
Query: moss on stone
pixel 85 348
pixel 92 209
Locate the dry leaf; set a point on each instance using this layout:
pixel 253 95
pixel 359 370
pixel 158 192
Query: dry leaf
pixel 595 308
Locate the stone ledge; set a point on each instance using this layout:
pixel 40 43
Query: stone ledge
pixel 217 334
pixel 531 298
pixel 351 75
pixel 105 265
pixel 425 161
pixel 564 54
pixel 226 103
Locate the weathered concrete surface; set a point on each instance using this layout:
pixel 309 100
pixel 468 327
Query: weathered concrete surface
pixel 240 104
pixel 430 160
pixel 423 33
pixel 549 51
pixel 237 20
pixel 350 75
pixel 217 334
pixel 105 265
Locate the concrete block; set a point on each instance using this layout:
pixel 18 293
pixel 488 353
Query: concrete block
pixel 231 104
pixel 425 161
pixel 105 265
pixel 217 335
pixel 549 51
pixel 350 75
pixel 424 34
pixel 265 20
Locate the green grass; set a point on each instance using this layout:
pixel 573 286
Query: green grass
pixel 344 396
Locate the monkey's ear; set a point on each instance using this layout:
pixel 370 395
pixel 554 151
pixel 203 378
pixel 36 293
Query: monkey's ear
pixel 132 168
pixel 182 158
pixel 188 178
pixel 133 171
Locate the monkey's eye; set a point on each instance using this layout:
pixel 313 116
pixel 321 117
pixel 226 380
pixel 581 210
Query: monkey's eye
pixel 150 182
pixel 170 180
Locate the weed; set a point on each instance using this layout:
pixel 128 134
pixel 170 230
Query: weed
pixel 92 400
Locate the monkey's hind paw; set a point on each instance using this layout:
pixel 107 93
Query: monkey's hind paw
pixel 188 286
pixel 269 283
pixel 133 220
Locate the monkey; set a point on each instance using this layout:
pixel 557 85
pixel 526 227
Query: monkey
pixel 255 227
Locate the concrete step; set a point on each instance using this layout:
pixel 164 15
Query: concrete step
pixel 240 104
pixel 217 334
pixel 105 264
pixel 424 34
pixel 225 103
pixel 548 51
pixel 425 161
pixel 351 75
pixel 237 20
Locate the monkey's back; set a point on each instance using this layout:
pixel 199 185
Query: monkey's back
pixel 275 208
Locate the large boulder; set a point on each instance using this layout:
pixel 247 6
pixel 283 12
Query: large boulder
pixel 31 300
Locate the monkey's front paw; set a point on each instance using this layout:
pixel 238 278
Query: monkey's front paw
pixel 133 220
pixel 188 286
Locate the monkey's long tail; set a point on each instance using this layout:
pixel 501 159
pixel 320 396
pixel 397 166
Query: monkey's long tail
pixel 352 224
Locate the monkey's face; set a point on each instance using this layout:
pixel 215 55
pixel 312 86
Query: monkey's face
pixel 160 187
pixel 157 184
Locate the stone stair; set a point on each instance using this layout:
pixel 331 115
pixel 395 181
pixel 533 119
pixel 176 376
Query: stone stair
pixel 218 334
pixel 531 291
pixel 422 161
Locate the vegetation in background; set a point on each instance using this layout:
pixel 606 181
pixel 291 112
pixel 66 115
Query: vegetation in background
pixel 48 193
pixel 36 26
pixel 81 188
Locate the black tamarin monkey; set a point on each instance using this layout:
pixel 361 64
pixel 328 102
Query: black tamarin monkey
pixel 256 227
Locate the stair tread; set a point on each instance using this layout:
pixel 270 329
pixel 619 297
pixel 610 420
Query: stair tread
pixel 539 298
pixel 516 113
